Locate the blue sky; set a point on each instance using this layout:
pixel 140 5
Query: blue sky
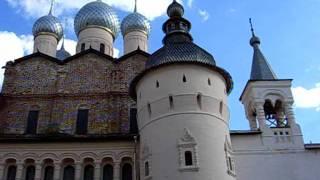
pixel 289 31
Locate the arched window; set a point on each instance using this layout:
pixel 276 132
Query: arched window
pixel 188 158
pixel 83 47
pixel 108 172
pixel 30 173
pixel 88 172
pixel 275 115
pixel 126 172
pixel 48 173
pixel 11 173
pixel 146 169
pixel 68 173
pixel 102 48
pixel 281 118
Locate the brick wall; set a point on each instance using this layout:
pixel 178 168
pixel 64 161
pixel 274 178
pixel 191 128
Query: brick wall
pixel 59 90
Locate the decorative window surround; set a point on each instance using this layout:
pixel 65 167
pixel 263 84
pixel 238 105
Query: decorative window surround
pixel 146 157
pixel 229 158
pixel 188 143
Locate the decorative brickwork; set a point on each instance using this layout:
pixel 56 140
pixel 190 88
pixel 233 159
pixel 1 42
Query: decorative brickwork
pixel 59 89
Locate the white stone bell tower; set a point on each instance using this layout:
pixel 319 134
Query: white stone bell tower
pixel 268 104
pixel 183 113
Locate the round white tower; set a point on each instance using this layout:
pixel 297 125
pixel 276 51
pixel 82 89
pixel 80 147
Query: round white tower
pixel 183 113
pixel 97 26
pixel 47 32
pixel 135 30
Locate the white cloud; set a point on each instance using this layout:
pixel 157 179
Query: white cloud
pixel 69 45
pixel 37 8
pixel 190 3
pixel 307 98
pixel 116 52
pixel 204 15
pixel 13 47
pixel 231 10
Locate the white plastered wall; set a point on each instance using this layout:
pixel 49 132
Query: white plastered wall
pixel 134 40
pixel 256 161
pixel 46 44
pixel 93 37
pixel 164 127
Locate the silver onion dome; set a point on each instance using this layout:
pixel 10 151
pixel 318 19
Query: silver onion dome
pixel 63 54
pixel 135 22
pixel 97 13
pixel 48 24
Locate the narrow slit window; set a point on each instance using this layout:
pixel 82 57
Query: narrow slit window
pixel 209 81
pixel 157 84
pixel 146 169
pixel 171 102
pixel 188 158
pixel 199 101
pixel 83 46
pixel 230 163
pixel 149 109
pixel 221 107
pixel 102 48
pixel 184 79
pixel 82 121
pixel 32 122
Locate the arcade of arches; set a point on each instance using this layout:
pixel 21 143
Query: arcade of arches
pixel 67 169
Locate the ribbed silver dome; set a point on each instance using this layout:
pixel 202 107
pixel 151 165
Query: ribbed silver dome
pixel 97 13
pixel 48 24
pixel 135 22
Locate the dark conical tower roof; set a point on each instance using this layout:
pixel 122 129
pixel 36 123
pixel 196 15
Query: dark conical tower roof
pixel 178 42
pixel 261 69
pixel 179 48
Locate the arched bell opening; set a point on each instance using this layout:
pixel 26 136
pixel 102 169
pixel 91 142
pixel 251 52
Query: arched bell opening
pixel 275 114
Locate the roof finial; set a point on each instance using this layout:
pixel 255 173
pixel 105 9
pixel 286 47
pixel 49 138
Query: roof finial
pixel 51 7
pixel 251 25
pixel 135 6
pixel 64 35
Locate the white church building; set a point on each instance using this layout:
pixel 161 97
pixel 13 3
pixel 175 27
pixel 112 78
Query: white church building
pixel 143 116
